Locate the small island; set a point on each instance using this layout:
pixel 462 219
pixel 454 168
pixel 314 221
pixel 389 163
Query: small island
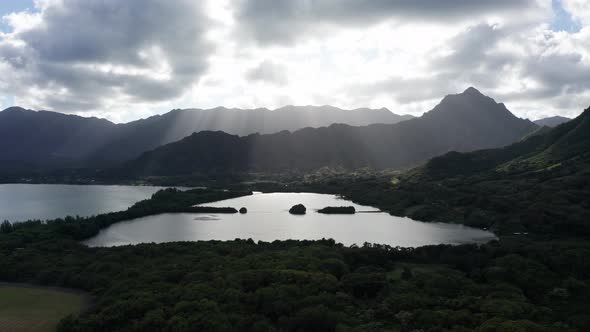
pixel 243 210
pixel 298 209
pixel 338 210
pixel 209 209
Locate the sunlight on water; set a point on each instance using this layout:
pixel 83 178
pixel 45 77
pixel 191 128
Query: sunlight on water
pixel 268 219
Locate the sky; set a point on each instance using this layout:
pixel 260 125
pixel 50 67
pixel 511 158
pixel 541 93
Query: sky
pixel 125 60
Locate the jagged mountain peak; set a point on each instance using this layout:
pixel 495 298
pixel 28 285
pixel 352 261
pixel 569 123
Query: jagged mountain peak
pixel 472 91
pixel 470 102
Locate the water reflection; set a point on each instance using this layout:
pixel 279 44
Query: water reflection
pixel 267 220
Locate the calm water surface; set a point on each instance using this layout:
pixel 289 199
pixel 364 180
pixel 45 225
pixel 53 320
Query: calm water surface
pixel 268 219
pixel 20 202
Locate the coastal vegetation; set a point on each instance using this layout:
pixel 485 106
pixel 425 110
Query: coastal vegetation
pixel 540 185
pixel 514 284
pixel 164 201
pixel 338 210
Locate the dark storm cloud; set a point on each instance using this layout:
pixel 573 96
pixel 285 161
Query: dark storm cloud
pixel 97 50
pixel 561 72
pixel 471 49
pixel 556 75
pixel 284 21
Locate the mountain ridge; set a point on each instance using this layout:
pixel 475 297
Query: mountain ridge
pixel 455 124
pixel 539 184
pixel 552 121
pixel 39 140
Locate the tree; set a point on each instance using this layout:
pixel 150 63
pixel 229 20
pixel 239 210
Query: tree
pixel 297 209
pixel 6 227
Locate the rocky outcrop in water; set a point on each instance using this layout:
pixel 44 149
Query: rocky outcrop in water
pixel 298 209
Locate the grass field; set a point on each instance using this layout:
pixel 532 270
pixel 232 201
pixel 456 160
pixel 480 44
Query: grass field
pixel 35 309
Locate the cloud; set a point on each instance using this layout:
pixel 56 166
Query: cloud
pixel 405 90
pixel 286 21
pixel 471 49
pixel 578 9
pixel 468 58
pixel 77 55
pixel 538 71
pixel 126 59
pixel 268 71
pixel 559 74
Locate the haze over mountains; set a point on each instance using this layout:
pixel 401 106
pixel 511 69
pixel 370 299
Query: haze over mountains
pixel 462 122
pixel 32 140
pixel 139 136
pixel 41 140
pixel 192 140
pixel 553 121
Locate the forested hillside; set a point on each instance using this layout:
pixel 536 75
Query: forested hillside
pixel 464 122
pixel 539 185
pixel 38 141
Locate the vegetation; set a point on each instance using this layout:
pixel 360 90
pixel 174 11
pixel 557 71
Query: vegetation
pixel 72 141
pixel 338 210
pixel 539 282
pixel 210 209
pixel 164 201
pixel 297 209
pixel 540 185
pixel 6 227
pixel 467 121
pixel 29 309
pixel 511 285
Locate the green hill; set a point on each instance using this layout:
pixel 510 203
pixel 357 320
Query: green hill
pixel 540 185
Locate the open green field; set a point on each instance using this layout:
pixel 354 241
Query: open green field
pixel 35 309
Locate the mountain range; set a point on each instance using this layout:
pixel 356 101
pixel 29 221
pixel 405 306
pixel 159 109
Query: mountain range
pixel 539 184
pixel 31 140
pixel 553 121
pixel 463 122
pixel 291 138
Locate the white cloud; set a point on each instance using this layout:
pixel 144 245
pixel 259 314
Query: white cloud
pixel 269 72
pixel 578 9
pixel 89 55
pixel 129 59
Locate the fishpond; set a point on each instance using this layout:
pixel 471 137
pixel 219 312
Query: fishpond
pixel 268 219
